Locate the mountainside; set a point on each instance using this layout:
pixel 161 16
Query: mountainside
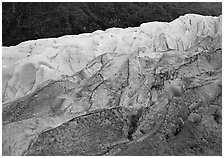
pixel 29 21
pixel 149 90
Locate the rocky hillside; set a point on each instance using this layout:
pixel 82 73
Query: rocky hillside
pixel 149 90
pixel 28 21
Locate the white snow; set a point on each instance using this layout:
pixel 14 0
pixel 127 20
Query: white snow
pixel 31 63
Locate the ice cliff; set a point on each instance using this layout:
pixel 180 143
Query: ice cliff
pixel 29 64
pixel 110 87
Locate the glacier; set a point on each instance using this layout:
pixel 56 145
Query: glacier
pixel 53 88
pixel 31 63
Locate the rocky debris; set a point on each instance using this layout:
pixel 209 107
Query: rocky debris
pixel 176 135
pixel 125 102
pixel 93 134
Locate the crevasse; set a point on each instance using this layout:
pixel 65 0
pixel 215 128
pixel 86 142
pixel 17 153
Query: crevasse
pixel 54 58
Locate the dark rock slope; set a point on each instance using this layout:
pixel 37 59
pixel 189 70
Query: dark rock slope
pixel 170 105
pixel 28 21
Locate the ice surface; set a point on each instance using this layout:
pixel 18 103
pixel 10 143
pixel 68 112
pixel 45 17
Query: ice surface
pixel 31 63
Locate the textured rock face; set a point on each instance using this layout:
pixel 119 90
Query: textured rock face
pixel 105 93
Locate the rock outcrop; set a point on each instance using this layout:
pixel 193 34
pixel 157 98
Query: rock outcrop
pixel 106 92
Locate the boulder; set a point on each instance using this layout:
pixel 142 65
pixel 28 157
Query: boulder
pixel 194 118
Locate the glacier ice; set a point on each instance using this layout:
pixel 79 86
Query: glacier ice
pixel 49 83
pixel 54 58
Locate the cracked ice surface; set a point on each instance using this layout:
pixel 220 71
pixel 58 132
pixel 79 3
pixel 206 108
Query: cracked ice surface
pixel 129 68
pixel 31 63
